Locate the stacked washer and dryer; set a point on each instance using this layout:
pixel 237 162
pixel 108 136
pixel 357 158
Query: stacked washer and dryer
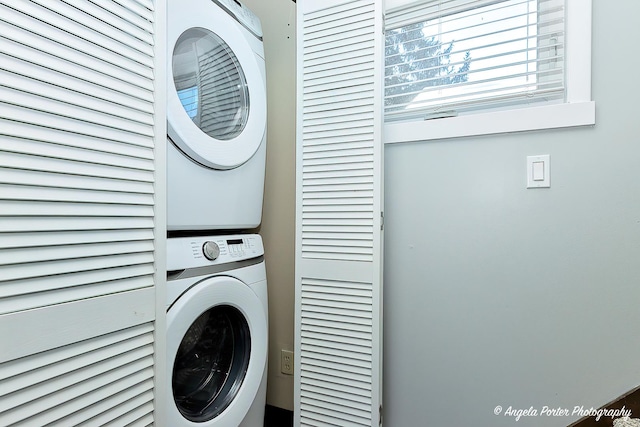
pixel 217 315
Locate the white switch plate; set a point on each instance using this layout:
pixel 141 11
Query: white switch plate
pixel 538 171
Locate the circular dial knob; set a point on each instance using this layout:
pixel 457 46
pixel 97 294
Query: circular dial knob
pixel 211 250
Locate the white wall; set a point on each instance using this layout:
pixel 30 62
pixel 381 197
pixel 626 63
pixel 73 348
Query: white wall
pixel 499 295
pixel 278 219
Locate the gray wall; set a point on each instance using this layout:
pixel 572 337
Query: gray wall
pixel 494 294
pixel 499 295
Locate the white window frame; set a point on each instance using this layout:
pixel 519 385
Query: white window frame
pixel 577 110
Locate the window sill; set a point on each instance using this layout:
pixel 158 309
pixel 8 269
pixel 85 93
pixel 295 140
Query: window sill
pixel 519 120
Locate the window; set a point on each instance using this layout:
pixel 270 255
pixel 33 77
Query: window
pixel 189 99
pixel 453 58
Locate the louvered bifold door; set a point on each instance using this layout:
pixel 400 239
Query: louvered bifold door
pixel 339 218
pixel 77 212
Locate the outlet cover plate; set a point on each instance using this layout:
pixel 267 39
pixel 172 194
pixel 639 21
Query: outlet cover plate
pixel 286 362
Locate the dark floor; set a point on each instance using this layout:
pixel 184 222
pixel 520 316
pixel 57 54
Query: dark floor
pixel 629 401
pixel 277 417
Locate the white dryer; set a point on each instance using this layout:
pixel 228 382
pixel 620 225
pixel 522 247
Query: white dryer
pixel 217 331
pixel 216 116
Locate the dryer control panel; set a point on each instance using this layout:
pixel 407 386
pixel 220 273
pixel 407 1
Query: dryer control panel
pixel 243 15
pixel 200 251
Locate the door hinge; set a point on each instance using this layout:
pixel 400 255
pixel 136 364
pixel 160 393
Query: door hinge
pixel 380 417
pixel 381 221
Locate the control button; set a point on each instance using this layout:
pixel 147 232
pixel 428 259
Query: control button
pixel 211 250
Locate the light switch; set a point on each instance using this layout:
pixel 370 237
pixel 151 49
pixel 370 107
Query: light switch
pixel 538 171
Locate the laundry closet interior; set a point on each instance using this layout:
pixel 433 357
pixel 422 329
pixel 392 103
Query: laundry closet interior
pixel 211 216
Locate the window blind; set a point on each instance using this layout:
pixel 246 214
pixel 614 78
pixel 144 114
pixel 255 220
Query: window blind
pixel 447 57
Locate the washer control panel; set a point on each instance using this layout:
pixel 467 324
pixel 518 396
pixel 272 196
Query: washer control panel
pixel 189 252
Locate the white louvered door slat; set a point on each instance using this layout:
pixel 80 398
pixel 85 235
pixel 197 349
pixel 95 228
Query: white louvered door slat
pixel 78 194
pixel 82 50
pixel 339 199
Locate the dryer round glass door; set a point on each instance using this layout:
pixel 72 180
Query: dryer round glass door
pixel 216 95
pixel 210 83
pixel 211 363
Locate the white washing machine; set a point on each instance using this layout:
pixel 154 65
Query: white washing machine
pixel 217 331
pixel 216 116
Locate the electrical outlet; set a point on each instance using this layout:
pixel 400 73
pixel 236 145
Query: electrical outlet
pixel 286 362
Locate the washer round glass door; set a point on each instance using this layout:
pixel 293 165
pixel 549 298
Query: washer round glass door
pixel 216 352
pixel 216 96
pixel 211 363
